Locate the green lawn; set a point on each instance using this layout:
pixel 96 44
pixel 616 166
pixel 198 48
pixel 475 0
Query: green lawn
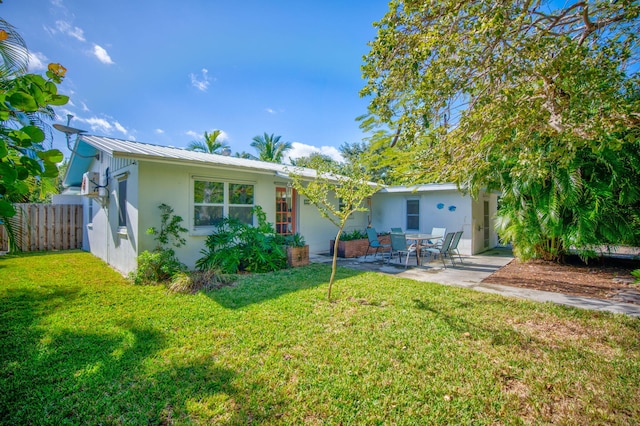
pixel 79 344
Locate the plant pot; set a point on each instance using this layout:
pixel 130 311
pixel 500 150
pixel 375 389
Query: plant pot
pixel 297 256
pixel 356 248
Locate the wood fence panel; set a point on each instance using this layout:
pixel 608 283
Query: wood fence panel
pixel 41 227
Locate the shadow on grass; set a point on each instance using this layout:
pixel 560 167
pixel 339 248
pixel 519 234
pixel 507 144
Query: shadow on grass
pixel 89 374
pixel 258 288
pixel 498 336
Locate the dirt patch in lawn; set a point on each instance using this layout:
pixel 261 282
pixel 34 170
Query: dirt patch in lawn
pixel 607 279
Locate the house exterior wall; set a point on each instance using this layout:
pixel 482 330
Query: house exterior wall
pixel 448 209
pixel 478 225
pixel 103 236
pixel 318 231
pixel 173 185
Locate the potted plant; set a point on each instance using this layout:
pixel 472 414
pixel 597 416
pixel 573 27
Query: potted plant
pixel 355 243
pixel 297 250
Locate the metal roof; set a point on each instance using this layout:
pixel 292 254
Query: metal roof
pixel 421 188
pixel 88 145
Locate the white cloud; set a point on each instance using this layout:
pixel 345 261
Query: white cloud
pixel 223 137
pixel 159 131
pixel 100 125
pixel 85 108
pixel 119 127
pixel 270 111
pixel 66 28
pixel 200 83
pixel 102 55
pixel 37 62
pixel 97 124
pixel 192 134
pixel 299 149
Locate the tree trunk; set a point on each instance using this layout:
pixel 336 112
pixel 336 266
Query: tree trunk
pixel 334 264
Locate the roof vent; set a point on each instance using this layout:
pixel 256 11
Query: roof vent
pixel 226 152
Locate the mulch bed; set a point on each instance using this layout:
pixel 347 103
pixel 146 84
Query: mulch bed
pixel 610 279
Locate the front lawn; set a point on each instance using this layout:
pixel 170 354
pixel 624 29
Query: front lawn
pixel 79 344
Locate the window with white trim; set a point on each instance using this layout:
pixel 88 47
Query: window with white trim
pixel 413 214
pixel 213 200
pixel 122 203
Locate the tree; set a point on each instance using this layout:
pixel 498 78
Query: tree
pixel 484 93
pixel 270 148
pixel 210 144
pixel 313 160
pixel 24 100
pixel 337 192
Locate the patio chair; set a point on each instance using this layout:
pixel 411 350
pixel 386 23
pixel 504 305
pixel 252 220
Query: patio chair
pixel 443 249
pixel 437 231
pixel 372 235
pixel 399 245
pixel 453 248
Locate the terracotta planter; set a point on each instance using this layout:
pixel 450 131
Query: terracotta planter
pixel 356 248
pixel 297 256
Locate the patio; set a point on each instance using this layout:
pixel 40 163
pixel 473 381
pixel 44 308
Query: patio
pixel 471 274
pixel 474 269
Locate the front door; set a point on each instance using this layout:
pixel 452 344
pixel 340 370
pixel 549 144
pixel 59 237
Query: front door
pixel 285 211
pixel 486 225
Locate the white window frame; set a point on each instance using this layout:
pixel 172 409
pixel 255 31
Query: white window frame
pixel 206 230
pixel 417 200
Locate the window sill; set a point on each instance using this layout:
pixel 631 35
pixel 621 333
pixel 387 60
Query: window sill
pixel 204 232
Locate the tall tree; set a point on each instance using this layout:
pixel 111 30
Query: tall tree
pixel 25 100
pixel 211 143
pixel 484 93
pixel 338 191
pixel 270 148
pixel 313 160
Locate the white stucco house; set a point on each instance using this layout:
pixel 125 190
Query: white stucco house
pixel 123 182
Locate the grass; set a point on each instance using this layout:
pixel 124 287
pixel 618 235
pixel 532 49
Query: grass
pixel 79 344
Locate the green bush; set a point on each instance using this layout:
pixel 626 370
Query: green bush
pixel 236 247
pixel 294 240
pixel 353 235
pixel 160 265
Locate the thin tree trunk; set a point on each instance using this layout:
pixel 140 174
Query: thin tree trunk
pixel 334 264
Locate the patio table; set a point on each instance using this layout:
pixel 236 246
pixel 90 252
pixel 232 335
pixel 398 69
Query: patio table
pixel 419 239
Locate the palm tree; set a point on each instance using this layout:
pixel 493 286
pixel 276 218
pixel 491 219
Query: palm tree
pixel 210 144
pixel 270 148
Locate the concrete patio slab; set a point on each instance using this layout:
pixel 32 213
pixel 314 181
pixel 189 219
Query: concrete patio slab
pixel 470 274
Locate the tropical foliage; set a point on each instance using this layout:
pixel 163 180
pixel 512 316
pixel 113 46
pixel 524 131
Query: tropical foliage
pixel 234 246
pixel 270 148
pixel 513 96
pixel 211 144
pixel 162 264
pixel 25 101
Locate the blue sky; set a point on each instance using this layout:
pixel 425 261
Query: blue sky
pixel 164 72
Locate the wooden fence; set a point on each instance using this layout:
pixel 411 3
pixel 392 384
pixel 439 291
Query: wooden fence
pixel 40 227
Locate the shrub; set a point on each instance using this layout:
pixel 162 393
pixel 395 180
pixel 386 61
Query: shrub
pixel 193 282
pixel 353 235
pixel 160 265
pixel 294 240
pixel 235 246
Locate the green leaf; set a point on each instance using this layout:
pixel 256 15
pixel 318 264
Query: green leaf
pixel 58 100
pixel 51 155
pixel 6 209
pixel 8 173
pixel 23 101
pixel 50 170
pixel 35 133
pixel 22 173
pixel 3 149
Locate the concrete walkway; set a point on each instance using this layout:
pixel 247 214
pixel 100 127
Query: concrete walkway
pixel 470 275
